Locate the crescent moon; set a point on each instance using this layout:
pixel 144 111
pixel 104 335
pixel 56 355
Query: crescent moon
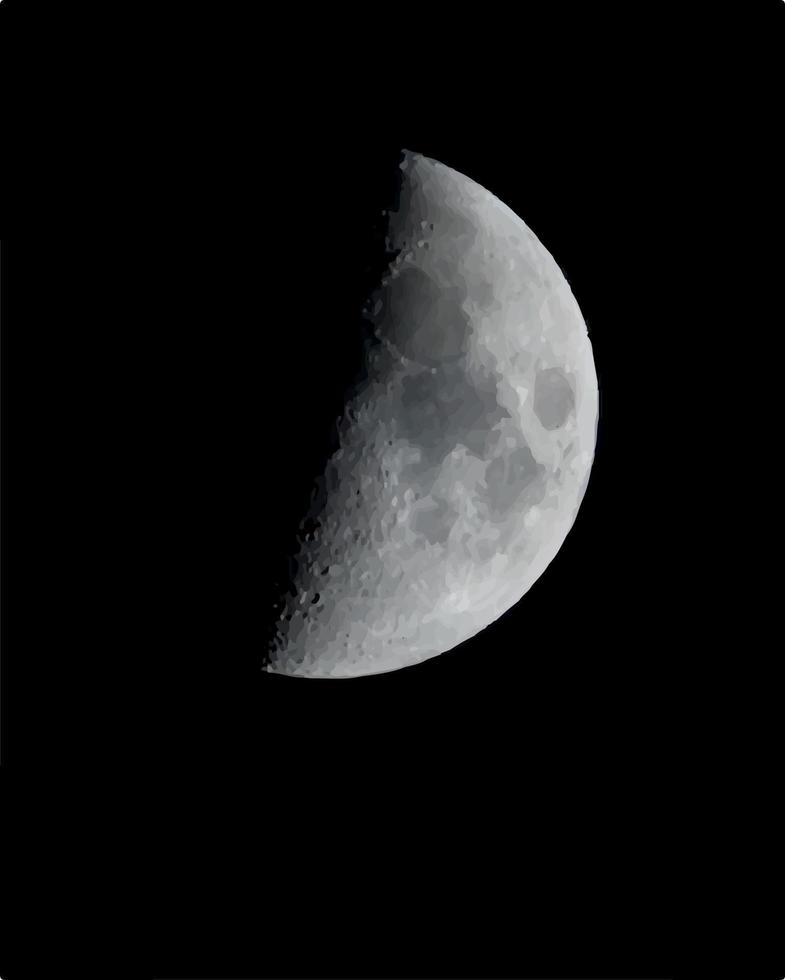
pixel 465 454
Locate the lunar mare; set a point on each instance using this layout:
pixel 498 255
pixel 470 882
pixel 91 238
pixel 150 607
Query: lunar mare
pixel 463 457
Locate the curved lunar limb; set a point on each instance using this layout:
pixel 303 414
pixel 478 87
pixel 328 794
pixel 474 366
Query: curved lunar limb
pixel 464 455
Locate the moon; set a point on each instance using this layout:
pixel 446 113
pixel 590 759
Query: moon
pixel 462 457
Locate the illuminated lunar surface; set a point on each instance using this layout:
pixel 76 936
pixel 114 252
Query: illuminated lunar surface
pixel 463 457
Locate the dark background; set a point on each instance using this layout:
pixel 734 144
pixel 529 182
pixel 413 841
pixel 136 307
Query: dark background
pixel 514 807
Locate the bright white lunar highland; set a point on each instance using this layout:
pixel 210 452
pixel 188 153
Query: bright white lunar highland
pixel 463 458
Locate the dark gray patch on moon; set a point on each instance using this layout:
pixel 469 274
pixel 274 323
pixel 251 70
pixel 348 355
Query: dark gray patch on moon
pixel 434 521
pixel 441 410
pixel 424 321
pixel 553 398
pixel 507 477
